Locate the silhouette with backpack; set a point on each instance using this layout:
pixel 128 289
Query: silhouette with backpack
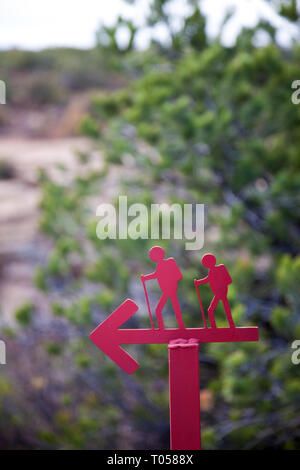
pixel 218 278
pixel 167 274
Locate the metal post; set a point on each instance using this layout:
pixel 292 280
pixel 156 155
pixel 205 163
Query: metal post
pixel 184 395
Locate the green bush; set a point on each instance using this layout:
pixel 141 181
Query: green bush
pixel 24 314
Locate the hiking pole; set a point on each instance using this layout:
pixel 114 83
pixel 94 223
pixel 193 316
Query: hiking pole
pixel 200 302
pixel 148 304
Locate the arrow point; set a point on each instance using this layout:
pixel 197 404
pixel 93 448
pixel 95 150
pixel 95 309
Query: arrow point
pixel 132 367
pixel 104 336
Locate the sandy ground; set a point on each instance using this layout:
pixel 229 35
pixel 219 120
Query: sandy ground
pixel 21 246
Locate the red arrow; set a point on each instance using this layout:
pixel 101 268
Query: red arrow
pixel 108 336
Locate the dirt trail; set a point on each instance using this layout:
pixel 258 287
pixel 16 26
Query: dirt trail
pixel 21 245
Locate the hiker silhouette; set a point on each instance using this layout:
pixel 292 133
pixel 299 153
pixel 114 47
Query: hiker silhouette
pixel 167 274
pixel 218 279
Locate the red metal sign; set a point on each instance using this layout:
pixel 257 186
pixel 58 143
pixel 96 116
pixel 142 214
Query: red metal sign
pixel 108 336
pixel 183 342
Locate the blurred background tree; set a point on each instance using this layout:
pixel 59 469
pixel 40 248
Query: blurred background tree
pixel 198 122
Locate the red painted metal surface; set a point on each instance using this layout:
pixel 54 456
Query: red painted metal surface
pixel 218 279
pixel 201 306
pixel 108 336
pixel 185 429
pixel 183 342
pixel 167 274
pixel 148 303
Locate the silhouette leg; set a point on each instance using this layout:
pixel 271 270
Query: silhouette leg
pixel 158 311
pixel 177 311
pixel 211 310
pixel 228 312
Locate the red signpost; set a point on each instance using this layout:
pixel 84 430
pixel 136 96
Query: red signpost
pixel 185 431
pixel 183 344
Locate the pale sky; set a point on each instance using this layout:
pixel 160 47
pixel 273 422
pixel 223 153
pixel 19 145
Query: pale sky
pixel 35 24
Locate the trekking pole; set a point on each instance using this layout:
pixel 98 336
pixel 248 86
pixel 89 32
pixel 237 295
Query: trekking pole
pixel 148 304
pixel 200 302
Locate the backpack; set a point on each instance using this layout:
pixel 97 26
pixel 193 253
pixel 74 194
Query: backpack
pixel 174 272
pixel 224 275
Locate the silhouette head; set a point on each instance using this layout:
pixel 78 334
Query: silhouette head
pixel 156 253
pixel 209 260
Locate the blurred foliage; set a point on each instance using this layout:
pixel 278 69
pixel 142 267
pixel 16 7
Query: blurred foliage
pixel 51 76
pixel 24 314
pixel 107 37
pixel 202 123
pixel 288 9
